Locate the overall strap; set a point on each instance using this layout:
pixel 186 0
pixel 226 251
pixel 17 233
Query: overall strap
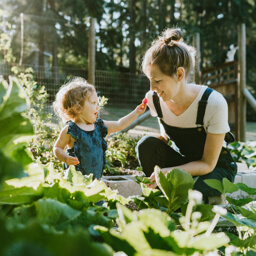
pixel 157 105
pixel 202 106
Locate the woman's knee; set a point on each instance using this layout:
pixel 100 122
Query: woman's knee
pixel 146 143
pixel 146 153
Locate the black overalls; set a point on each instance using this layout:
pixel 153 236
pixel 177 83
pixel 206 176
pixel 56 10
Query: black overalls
pixel 152 151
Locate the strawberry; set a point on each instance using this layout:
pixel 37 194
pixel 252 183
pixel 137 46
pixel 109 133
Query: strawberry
pixel 145 101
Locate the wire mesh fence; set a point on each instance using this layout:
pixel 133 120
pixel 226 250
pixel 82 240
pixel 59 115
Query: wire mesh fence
pixel 123 90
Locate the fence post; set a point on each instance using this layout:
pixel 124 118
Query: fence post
pixel 91 52
pixel 241 81
pixel 196 43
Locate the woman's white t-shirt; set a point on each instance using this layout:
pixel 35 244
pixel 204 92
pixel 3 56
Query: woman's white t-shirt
pixel 215 118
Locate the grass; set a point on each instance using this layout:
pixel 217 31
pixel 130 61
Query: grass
pixel 251 131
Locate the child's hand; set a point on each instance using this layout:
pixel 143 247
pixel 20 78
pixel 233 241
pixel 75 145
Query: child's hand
pixel 144 103
pixel 70 160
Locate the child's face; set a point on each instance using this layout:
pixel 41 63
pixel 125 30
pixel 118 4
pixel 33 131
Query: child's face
pixel 90 109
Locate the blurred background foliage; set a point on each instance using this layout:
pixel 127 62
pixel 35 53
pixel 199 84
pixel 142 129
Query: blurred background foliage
pixel 53 34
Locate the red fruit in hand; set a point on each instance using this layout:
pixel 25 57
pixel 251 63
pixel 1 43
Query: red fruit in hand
pixel 145 101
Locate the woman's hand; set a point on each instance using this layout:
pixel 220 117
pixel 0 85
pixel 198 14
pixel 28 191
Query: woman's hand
pixel 153 177
pixel 153 180
pixel 70 160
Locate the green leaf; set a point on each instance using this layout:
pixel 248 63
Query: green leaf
pixel 239 202
pixel 9 168
pixel 125 216
pixel 239 220
pixel 54 213
pixel 215 184
pixel 149 192
pixel 156 252
pixel 247 213
pixel 206 211
pixel 250 253
pixel 12 122
pixel 3 88
pixel 163 183
pixel 245 188
pixel 21 191
pixel 208 243
pixel 77 178
pixel 162 224
pixel 35 239
pixel 175 186
pixel 116 240
pixel 229 187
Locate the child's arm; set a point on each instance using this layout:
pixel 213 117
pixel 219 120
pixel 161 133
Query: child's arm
pixel 63 140
pixel 115 126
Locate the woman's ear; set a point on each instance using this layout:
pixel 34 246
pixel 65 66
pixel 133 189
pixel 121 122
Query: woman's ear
pixel 180 73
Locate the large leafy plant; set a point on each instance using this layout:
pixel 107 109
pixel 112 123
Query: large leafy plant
pixel 152 232
pixel 15 129
pixel 42 207
pixel 172 193
pixel 242 214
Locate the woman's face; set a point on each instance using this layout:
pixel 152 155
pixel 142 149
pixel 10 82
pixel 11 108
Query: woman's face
pixel 165 86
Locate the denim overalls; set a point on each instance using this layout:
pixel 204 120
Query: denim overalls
pixel 152 151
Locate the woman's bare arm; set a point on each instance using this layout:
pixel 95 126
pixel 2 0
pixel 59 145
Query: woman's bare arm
pixel 212 149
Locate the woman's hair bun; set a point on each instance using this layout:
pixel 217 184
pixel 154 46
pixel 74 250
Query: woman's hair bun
pixel 170 35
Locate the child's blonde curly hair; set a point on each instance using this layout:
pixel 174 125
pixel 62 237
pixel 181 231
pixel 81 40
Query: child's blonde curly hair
pixel 70 98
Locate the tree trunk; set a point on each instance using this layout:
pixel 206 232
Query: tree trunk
pixel 132 52
pixel 172 20
pixel 41 43
pixel 55 69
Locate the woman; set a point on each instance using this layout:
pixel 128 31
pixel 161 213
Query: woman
pixel 192 116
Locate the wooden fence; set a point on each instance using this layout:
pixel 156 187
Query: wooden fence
pixel 224 80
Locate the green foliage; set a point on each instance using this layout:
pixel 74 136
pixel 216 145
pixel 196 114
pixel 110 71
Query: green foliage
pixel 62 208
pixel 121 153
pixel 46 208
pixel 172 193
pixel 174 186
pixel 15 128
pixel 152 232
pixel 44 241
pixel 243 216
pixel 5 39
pixel 244 152
pixel 46 133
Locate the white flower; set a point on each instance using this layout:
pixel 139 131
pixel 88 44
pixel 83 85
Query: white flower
pixel 196 215
pixel 219 210
pixel 195 195
pixel 120 254
pixel 229 250
pixel 214 253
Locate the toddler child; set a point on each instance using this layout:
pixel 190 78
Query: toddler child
pixel 77 103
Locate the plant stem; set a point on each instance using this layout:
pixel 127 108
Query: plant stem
pixel 213 224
